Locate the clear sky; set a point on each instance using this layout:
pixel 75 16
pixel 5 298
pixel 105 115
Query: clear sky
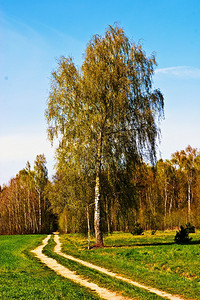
pixel 33 34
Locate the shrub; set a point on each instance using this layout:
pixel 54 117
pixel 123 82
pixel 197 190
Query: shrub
pixel 137 230
pixel 182 236
pixel 190 227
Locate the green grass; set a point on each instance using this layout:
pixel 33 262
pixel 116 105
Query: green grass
pixel 22 276
pixel 153 260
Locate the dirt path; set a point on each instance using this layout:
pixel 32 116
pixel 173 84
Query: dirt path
pixel 57 249
pixel 63 271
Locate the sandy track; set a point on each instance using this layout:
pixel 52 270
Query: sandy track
pixel 63 271
pixel 57 249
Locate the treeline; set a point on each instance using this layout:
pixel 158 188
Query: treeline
pixel 160 197
pixel 24 206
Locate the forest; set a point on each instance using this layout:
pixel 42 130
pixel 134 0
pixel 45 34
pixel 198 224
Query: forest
pixel 161 197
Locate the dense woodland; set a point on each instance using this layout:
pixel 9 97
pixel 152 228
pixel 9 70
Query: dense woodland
pixel 24 207
pixel 105 117
pixel 160 197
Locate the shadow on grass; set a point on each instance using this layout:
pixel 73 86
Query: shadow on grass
pixel 153 244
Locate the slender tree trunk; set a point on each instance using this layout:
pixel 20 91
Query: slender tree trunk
pixel 165 205
pixel 88 224
pixel 9 219
pixel 170 205
pixel 25 219
pixel 107 215
pixel 40 211
pixel 30 226
pixel 97 209
pixel 18 217
pixel 66 222
pixel 35 225
pixel 189 199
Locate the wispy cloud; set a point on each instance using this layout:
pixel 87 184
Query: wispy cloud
pixel 186 72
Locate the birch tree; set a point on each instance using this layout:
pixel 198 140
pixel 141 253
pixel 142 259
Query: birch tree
pixel 41 178
pixel 186 160
pixel 107 112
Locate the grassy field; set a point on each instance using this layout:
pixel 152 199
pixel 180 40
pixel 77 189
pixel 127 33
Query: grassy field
pixel 153 260
pixel 23 277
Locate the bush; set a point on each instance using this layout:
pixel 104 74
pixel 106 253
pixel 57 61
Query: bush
pixel 182 236
pixel 190 227
pixel 137 230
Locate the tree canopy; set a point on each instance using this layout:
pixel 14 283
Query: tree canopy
pixel 106 114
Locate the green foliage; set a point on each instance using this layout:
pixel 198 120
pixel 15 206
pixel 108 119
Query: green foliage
pixel 137 230
pixel 153 231
pixel 182 236
pixel 69 193
pixel 190 227
pixel 40 172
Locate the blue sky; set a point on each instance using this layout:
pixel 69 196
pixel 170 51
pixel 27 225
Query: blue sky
pixel 34 33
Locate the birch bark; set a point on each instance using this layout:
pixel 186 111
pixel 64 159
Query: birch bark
pixel 97 209
pixel 88 224
pixel 189 199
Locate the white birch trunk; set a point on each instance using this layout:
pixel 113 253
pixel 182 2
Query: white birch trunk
pixel 88 224
pixel 97 209
pixel 165 205
pixel 40 212
pixel 189 200
pixel 107 215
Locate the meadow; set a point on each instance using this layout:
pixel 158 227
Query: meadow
pixel 153 260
